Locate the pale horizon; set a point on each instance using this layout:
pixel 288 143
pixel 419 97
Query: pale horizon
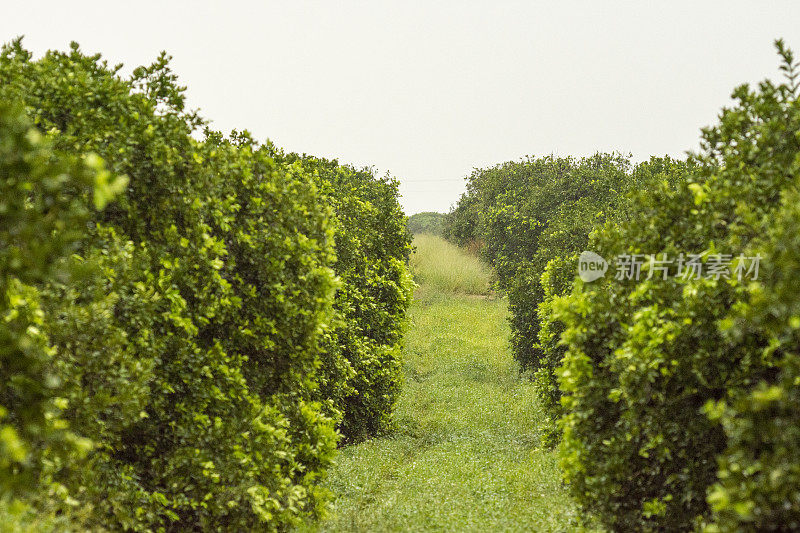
pixel 429 92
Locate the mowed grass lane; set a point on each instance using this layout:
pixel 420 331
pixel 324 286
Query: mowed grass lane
pixel 466 454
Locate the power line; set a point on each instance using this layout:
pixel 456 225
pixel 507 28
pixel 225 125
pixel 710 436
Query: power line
pixel 431 181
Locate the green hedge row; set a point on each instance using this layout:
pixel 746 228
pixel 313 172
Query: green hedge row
pixel 531 219
pixel 668 382
pixel 361 371
pixel 677 398
pixel 181 357
pixel 427 222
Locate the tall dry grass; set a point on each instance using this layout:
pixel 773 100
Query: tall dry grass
pixel 442 266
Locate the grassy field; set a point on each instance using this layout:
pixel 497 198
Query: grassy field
pixel 441 266
pixel 466 454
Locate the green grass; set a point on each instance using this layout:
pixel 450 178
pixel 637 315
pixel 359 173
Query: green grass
pixel 442 266
pixel 466 455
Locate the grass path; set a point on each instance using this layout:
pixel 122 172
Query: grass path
pixel 465 455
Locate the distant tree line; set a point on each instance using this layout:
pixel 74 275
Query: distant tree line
pixel 427 222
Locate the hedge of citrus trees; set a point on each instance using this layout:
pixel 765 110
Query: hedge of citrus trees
pixel 428 222
pixel 530 219
pixel 676 396
pixel 189 322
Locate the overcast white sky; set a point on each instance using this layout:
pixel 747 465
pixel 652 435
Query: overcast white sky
pixel 430 90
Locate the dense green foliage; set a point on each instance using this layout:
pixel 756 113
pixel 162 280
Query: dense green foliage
pixel 427 222
pixel 362 372
pixel 533 217
pixel 559 272
pixel 461 225
pixel 46 202
pixel 759 471
pixel 644 358
pixel 200 337
pixel 527 213
pixel 678 394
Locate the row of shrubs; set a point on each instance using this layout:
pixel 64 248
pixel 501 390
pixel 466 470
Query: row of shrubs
pixel 531 219
pixel 189 322
pixel 674 398
pixel 427 222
